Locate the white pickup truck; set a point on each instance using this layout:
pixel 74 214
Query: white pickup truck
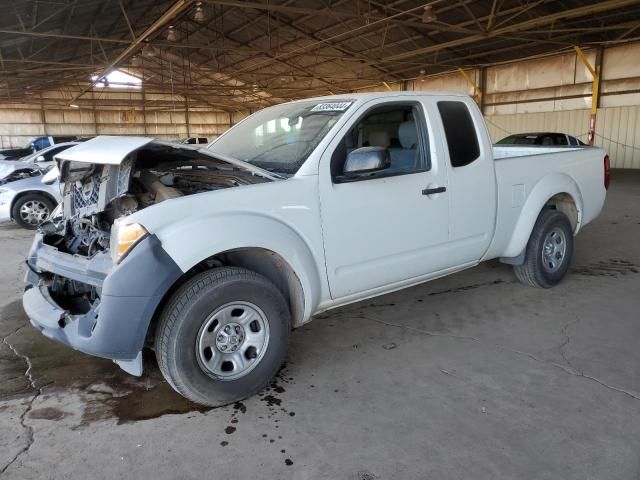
pixel 210 256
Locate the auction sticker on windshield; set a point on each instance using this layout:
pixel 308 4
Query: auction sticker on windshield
pixel 331 107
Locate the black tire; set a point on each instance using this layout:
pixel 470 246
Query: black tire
pixel 533 271
pixel 36 199
pixel 185 315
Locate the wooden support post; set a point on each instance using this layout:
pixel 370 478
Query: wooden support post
pixel 143 96
pixel 477 92
pixel 94 112
pixel 595 91
pixel 43 116
pixel 482 85
pixel 186 114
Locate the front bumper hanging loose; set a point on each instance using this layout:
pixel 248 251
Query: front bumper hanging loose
pixel 116 324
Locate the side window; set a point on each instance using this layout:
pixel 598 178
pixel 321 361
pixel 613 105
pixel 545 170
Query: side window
pixel 63 139
pixel 397 127
pixel 460 133
pixel 572 140
pixel 547 140
pixel 48 157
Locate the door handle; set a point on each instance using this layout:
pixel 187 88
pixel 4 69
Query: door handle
pixel 434 190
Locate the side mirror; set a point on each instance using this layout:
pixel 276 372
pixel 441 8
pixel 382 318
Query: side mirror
pixel 40 158
pixel 51 176
pixel 365 161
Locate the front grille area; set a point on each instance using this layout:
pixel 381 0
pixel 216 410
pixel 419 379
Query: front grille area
pixel 85 195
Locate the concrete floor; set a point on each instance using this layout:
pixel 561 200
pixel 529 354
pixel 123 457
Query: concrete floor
pixel 471 376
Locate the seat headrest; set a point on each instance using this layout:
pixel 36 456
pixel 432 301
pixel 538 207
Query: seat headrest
pixel 408 134
pixel 379 139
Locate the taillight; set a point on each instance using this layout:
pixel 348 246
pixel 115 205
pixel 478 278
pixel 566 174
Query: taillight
pixel 607 172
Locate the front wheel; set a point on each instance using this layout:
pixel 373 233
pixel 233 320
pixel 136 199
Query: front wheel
pixel 549 250
pixel 30 210
pixel 223 336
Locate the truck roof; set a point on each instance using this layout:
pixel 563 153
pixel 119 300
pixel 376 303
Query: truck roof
pixel 372 95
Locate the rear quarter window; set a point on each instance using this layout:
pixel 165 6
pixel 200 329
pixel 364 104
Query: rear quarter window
pixel 460 132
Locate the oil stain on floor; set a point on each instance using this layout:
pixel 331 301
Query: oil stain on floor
pixel 33 365
pixel 108 391
pixel 610 268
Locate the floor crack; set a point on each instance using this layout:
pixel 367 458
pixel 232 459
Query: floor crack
pixel 38 391
pixel 569 370
pixel 567 340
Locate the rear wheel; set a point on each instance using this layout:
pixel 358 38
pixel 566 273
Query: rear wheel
pixel 549 250
pixel 223 336
pixel 30 210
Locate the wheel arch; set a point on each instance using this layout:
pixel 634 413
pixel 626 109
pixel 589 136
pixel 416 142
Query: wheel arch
pixel 274 267
pixel 255 242
pixel 260 260
pixel 557 191
pixel 23 193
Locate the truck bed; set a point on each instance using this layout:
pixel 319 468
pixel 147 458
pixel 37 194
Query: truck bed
pixel 501 151
pixel 527 177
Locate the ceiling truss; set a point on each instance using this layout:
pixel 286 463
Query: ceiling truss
pixel 237 54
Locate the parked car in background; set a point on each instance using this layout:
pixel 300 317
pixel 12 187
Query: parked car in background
pixel 195 140
pixel 212 255
pixel 32 165
pixel 28 202
pixel 37 144
pixel 544 138
pixel 23 197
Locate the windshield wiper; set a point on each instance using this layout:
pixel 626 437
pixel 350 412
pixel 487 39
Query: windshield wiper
pixel 270 170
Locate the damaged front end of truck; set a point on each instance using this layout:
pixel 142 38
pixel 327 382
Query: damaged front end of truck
pixel 95 279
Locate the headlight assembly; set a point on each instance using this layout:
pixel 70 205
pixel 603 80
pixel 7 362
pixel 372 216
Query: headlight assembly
pixel 124 238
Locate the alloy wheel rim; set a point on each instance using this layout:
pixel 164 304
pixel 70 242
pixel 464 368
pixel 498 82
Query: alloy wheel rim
pixel 34 212
pixel 232 340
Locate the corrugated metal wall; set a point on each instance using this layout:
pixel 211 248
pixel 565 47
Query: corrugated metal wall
pixel 618 132
pixel 617 129
pixel 554 94
pixel 551 93
pixel 573 122
pixel 20 123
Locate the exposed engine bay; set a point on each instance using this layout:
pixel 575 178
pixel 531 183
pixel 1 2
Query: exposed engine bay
pixel 95 194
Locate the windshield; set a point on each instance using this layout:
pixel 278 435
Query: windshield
pixel 279 139
pixel 519 140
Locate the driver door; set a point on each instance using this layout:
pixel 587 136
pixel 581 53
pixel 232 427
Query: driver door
pixel 384 230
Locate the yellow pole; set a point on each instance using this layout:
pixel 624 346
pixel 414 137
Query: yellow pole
pixel 595 92
pixel 477 93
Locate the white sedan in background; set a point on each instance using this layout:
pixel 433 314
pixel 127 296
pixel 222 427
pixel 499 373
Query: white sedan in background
pixel 24 199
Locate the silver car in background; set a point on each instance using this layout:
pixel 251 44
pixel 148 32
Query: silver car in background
pixel 23 197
